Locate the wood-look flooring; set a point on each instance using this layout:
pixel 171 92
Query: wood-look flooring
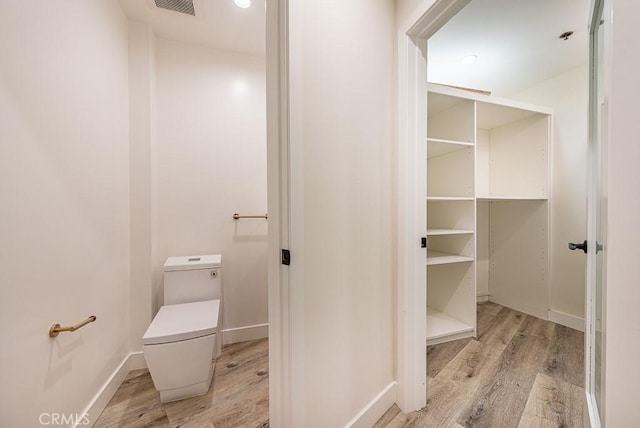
pixel 520 372
pixel 238 397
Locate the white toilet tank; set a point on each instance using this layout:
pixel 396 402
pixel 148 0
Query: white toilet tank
pixel 192 279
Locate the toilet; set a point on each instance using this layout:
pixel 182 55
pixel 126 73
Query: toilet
pixel 185 335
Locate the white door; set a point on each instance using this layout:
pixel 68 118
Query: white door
pixel 596 234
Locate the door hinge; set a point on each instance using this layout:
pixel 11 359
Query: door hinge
pixel 286 257
pixel 423 242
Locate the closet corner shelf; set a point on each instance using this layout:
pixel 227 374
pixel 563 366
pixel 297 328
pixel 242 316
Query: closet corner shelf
pixel 450 198
pixel 511 198
pixel 440 258
pixel 434 232
pixel 443 141
pixel 438 147
pixel 441 325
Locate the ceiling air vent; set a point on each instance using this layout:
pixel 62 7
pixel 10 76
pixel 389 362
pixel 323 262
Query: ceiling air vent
pixel 182 6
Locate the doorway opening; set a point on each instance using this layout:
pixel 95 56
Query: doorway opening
pixel 506 132
pixel 197 88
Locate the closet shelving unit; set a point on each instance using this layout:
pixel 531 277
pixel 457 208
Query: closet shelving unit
pixel 487 208
pixel 450 218
pixel 513 146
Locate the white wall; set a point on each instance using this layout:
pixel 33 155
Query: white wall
pixel 405 9
pixel 482 251
pixel 622 293
pixel 211 162
pixel 64 185
pixel 142 172
pixel 342 241
pixel 568 95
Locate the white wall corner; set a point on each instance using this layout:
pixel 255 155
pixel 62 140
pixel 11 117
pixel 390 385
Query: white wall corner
pixel 566 320
pixel 136 361
pixel 242 334
pixel 374 410
pixel 92 412
pixel 482 297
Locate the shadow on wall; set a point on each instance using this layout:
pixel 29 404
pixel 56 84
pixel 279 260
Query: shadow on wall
pixel 250 230
pixel 61 359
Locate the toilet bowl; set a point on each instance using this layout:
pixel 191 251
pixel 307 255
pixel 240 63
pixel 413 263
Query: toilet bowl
pixel 184 336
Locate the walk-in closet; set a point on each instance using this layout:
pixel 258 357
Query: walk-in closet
pixel 488 166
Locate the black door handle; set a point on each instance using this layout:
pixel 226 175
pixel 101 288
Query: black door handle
pixel 582 246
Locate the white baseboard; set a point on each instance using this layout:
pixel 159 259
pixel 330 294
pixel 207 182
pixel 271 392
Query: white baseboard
pixel 482 297
pixel 518 305
pixel 567 320
pixel 242 334
pixel 133 361
pixel 377 407
pixel 137 361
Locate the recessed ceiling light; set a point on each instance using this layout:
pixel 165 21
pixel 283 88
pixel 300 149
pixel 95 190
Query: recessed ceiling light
pixel 566 35
pixel 242 3
pixel 469 59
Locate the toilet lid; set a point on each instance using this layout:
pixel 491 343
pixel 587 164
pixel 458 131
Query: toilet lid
pixel 193 262
pixel 183 321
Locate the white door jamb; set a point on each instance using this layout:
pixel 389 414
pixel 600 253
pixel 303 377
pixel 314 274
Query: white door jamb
pixel 428 18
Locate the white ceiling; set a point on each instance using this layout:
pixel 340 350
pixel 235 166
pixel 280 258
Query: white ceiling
pixel 218 24
pixel 516 42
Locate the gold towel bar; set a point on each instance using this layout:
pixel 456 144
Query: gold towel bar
pixel 236 216
pixel 56 329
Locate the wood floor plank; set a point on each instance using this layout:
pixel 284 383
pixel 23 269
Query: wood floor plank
pixel 407 420
pixel 238 396
pixel 489 308
pixel 553 404
pixel 445 401
pixel 505 326
pixel 499 403
pixel 489 382
pixel 452 390
pixel 198 424
pixel 439 355
pixel 566 356
pixel 153 417
pixel 485 322
pixel 388 416
pixel 135 404
pixel 537 327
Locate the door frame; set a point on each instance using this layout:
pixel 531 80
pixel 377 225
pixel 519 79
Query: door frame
pixel 423 22
pixel 596 10
pixel 286 213
pixel 277 83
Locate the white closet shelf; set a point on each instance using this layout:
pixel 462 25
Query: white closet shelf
pixel 511 198
pixel 438 147
pixel 442 140
pixel 450 198
pixel 495 114
pixel 440 258
pixel 433 232
pixel 441 325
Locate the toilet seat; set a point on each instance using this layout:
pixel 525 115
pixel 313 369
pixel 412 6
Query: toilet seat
pixel 183 321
